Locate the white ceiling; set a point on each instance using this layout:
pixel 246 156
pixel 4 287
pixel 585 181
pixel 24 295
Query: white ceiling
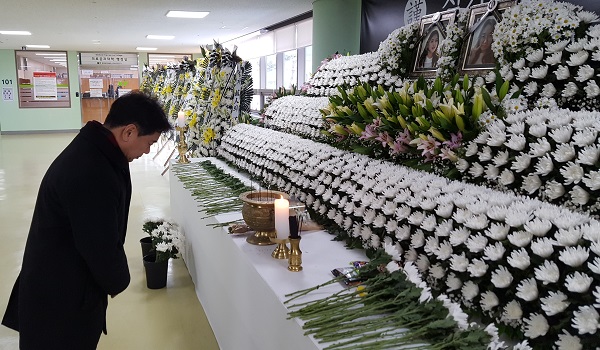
pixel 121 26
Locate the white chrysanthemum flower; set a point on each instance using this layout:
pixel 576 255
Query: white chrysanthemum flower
pixel 501 277
pixel 564 153
pixel 578 282
pixel 531 183
pixel 535 56
pixel 524 345
pixel 539 72
pixel 520 238
pixel 585 137
pixel 585 320
pixel 491 172
pixel 548 91
pixel 562 73
pixel 477 268
pixel 530 88
pixel 570 90
pixel 592 89
pixel 544 166
pixel 517 217
pixel 437 271
pixel 494 252
pixel 521 163
pixel 453 282
pixel 568 237
pixel 516 142
pixel 497 231
pixel 547 273
pixel 459 236
pixel 554 303
pixel 470 290
pixel 506 177
pixel 538 130
pixel 417 240
pixel 444 251
pixel 566 341
pixel 538 227
pixel 392 267
pixel 523 74
pixel 459 263
pixel 540 148
pixel 594 266
pixel 476 243
pixel 422 263
pixel 501 158
pixel 512 311
pixel 578 58
pixel 592 180
pixel 535 326
pixel 556 46
pixel 572 172
pixel 554 190
pixel 519 259
pixel 589 155
pixel 411 255
pixel 579 195
pixel 584 73
pixel 485 154
pixel 527 290
pixel 489 300
pixel 553 59
pixel 476 170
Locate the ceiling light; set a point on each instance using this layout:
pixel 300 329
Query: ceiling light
pixel 38 46
pixel 140 48
pixel 14 32
pixel 187 14
pixel 160 37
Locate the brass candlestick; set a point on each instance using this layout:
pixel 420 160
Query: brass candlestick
pixel 282 251
pixel 182 146
pixel 295 259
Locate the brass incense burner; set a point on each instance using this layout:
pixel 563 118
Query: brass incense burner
pixel 258 212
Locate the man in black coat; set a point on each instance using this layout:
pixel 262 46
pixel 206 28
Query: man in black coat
pixel 74 256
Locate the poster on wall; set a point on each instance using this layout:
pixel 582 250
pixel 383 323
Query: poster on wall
pixel 44 86
pixel 96 84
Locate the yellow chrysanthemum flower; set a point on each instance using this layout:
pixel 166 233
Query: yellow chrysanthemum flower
pixel 208 135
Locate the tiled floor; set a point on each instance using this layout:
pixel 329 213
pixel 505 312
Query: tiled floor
pixel 139 318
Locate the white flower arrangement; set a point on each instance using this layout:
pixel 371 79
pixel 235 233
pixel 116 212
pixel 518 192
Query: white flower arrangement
pixel 347 70
pixel 396 50
pixel 483 227
pixel 558 164
pixel 550 49
pixel 450 47
pixel 298 115
pixel 167 239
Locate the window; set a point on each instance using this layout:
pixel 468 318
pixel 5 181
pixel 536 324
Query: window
pixel 307 63
pixel 255 62
pixel 43 79
pixel 271 72
pixel 290 69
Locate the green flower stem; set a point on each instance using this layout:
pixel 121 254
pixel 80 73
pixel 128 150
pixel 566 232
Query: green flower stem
pixel 300 293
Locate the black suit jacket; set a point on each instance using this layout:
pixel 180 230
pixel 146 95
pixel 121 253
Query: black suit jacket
pixel 74 256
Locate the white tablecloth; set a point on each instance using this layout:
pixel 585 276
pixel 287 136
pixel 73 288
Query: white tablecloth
pixel 242 288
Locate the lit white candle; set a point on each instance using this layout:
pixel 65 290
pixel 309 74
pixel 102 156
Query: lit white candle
pixel 181 119
pixel 282 212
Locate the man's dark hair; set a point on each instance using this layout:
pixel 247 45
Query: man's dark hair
pixel 140 109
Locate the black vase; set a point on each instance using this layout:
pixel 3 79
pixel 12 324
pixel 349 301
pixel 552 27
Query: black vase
pixel 146 244
pixel 156 272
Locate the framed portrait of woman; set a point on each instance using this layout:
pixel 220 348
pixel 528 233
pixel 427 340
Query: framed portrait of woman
pixel 477 57
pixel 432 32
